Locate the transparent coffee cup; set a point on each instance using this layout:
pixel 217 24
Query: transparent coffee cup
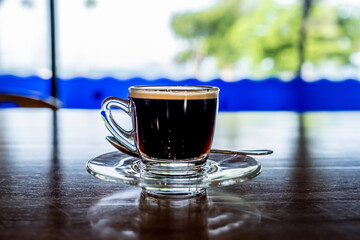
pixel 172 126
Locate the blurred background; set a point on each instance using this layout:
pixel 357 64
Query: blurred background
pixel 265 55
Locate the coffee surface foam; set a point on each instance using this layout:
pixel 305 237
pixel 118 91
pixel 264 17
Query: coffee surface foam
pixel 174 93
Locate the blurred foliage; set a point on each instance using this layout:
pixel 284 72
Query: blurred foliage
pixel 331 36
pixel 206 33
pixel 270 32
pixel 265 30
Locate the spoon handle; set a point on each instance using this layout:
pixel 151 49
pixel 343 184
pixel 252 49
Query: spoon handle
pixel 123 149
pixel 244 152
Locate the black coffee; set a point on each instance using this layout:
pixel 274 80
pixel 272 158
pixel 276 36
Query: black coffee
pixel 174 128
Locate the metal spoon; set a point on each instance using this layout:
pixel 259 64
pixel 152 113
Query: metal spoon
pixel 119 147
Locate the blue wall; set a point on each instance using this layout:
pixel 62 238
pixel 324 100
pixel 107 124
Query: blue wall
pixel 245 95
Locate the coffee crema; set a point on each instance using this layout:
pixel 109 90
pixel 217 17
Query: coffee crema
pixel 173 92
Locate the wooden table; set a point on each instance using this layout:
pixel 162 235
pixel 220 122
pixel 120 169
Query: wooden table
pixel 309 188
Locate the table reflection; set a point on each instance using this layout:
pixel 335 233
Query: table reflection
pixel 135 214
pixel 56 217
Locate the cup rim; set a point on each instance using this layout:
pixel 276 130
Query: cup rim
pixel 174 88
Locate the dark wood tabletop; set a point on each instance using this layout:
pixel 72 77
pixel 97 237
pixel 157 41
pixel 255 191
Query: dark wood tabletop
pixel 308 189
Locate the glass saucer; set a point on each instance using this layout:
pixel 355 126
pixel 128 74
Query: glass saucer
pixel 221 169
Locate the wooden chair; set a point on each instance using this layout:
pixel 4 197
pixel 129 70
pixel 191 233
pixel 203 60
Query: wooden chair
pixel 30 101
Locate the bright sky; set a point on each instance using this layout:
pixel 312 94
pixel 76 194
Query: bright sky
pixel 113 35
pixel 121 34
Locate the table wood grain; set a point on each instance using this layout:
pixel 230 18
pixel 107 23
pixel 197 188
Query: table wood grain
pixel 309 187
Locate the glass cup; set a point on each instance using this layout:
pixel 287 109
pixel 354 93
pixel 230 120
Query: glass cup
pixel 173 126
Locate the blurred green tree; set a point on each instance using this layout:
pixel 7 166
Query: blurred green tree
pixel 205 32
pixel 331 36
pixel 276 37
pixel 269 35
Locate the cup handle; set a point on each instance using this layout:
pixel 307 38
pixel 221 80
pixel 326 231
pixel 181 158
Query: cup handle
pixel 124 137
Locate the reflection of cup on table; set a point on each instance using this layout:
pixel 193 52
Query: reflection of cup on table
pixel 131 214
pixel 173 126
pixel 171 218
